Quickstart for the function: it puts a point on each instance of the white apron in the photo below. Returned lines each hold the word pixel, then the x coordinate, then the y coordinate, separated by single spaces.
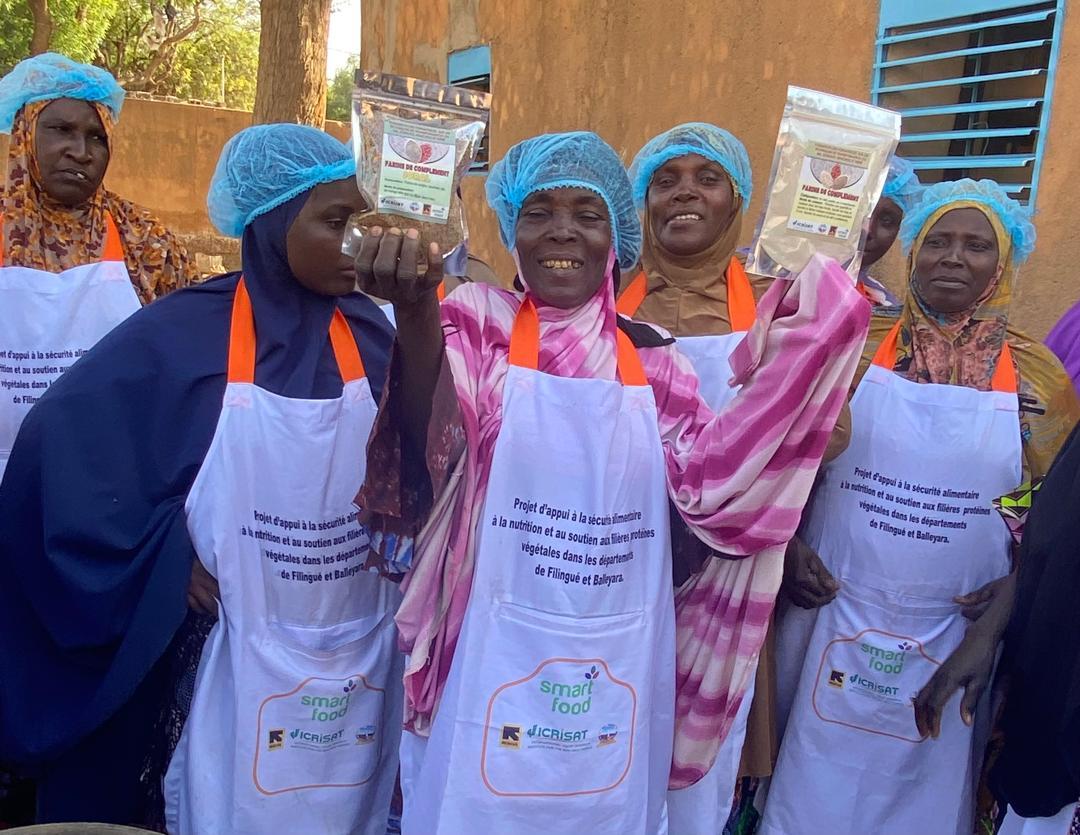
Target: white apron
pixel 703 808
pixel 1060 824
pixel 295 721
pixel 558 712
pixel 903 519
pixel 49 320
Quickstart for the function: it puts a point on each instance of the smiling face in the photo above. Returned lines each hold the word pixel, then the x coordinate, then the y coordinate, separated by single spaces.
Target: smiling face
pixel 690 204
pixel 72 151
pixel 957 260
pixel 313 243
pixel 563 240
pixel 884 227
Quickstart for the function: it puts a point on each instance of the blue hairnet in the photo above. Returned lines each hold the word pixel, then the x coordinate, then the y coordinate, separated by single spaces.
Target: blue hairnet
pixel 902 184
pixel 1015 217
pixel 264 166
pixel 699 138
pixel 52 76
pixel 566 160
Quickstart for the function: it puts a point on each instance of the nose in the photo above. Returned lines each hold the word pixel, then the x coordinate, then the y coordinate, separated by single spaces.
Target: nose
pixel 79 148
pixel 685 190
pixel 562 227
pixel 953 255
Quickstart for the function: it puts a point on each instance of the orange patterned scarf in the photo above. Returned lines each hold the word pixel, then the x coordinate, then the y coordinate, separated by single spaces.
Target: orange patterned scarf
pixel 42 234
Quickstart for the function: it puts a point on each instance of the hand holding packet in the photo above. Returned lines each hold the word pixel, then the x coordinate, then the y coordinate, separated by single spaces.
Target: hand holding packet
pixel 414 140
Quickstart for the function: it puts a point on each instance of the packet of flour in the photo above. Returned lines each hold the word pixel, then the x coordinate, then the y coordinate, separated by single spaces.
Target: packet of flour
pixel 413 141
pixel 831 161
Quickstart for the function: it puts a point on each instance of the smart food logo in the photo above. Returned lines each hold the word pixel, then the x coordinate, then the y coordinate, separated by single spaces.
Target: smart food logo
pixel 572 699
pixel 887 661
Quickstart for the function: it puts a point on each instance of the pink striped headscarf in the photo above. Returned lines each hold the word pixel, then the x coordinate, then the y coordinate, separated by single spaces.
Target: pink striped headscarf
pixel 739 478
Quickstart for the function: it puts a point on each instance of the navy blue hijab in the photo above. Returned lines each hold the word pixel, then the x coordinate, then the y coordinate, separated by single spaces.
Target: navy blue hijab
pixel 94 550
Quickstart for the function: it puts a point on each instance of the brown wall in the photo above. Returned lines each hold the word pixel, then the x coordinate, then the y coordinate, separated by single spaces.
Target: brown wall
pixel 629 69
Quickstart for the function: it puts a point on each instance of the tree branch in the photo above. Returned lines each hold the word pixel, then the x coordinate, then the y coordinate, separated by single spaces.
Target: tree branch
pixel 43 26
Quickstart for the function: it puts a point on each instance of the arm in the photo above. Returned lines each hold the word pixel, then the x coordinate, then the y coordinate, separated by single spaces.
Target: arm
pixel 740 478
pixel 386 266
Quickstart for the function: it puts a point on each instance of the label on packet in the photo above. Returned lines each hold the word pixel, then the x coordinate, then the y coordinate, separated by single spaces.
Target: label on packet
pixel 831 182
pixel 417 174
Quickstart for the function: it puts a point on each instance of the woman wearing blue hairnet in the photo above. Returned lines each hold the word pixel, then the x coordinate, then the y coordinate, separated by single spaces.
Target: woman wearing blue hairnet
pixel 693 184
pixel 901 193
pixel 271 376
pixel 952 410
pixel 542 689
pixel 75 259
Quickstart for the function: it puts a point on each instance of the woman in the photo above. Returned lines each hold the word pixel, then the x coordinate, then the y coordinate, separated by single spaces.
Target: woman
pixel 953 409
pixel 901 193
pixel 56 217
pixel 1036 772
pixel 220 428
pixel 693 184
pixel 539 606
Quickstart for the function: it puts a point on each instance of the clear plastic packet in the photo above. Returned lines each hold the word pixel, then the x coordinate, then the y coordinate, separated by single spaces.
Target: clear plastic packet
pixel 414 140
pixel 831 161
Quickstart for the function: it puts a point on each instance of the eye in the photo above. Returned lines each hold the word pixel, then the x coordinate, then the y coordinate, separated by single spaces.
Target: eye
pixel 592 217
pixel 979 246
pixel 934 243
pixel 535 213
pixel 709 179
pixel 335 222
pixel 664 181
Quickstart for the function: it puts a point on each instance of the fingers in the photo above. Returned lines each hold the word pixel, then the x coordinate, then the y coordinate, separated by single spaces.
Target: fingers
pixel 974 604
pixel 387 265
pixel 434 275
pixel 972 693
pixel 365 260
pixel 387 270
pixel 928 705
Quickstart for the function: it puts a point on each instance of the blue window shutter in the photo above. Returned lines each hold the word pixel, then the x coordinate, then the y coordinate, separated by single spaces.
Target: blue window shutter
pixel 974 81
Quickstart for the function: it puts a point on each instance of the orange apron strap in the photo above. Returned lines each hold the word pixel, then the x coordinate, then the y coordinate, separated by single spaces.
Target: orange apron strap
pixel 886 352
pixel 629 363
pixel 632 297
pixel 242 342
pixel 740 297
pixel 114 247
pixel 861 287
pixel 346 351
pixel 440 291
pixel 1004 378
pixel 1 240
pixel 525 337
pixel 242 338
pixel 525 347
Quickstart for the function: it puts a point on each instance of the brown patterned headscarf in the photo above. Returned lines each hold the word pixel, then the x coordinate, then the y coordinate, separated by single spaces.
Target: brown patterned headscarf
pixel 40 233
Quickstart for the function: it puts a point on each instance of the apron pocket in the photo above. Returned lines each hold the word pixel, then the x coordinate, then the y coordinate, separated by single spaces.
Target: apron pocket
pixel 564 718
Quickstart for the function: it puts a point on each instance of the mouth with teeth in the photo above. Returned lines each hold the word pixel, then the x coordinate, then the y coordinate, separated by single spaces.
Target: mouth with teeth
pixel 561 264
pixel 76 174
pixel 686 217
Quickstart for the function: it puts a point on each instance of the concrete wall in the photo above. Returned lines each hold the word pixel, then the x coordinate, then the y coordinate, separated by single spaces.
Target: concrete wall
pixel 631 68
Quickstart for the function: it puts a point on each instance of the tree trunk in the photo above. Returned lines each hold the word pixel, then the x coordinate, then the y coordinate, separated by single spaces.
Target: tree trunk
pixel 43 26
pixel 291 85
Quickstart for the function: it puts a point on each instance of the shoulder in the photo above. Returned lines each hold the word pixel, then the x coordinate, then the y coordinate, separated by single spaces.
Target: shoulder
pixel 1033 355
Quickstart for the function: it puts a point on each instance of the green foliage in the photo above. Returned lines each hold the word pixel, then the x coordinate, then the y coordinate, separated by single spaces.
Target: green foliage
pixel 78 27
pixel 339 92
pixel 180 53
pixel 146 52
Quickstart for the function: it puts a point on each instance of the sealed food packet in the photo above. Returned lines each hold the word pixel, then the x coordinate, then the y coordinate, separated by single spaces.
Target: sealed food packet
pixel 414 140
pixel 831 161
